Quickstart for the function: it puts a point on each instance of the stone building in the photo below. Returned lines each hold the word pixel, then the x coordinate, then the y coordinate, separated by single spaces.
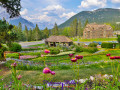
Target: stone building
pixel 58 40
pixel 97 31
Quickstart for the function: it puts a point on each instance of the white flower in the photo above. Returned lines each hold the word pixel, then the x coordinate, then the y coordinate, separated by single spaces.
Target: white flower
pixel 91 78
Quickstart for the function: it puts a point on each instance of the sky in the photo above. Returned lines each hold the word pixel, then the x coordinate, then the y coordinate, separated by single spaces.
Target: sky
pixel 60 10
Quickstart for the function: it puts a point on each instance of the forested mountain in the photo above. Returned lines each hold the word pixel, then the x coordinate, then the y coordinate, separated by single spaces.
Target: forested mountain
pixel 103 15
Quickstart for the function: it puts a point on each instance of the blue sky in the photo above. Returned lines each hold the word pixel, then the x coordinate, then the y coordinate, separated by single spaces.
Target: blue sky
pixel 60 10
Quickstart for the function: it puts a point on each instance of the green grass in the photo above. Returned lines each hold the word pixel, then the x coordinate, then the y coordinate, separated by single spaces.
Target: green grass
pixel 43 44
pixel 36 77
pixel 97 39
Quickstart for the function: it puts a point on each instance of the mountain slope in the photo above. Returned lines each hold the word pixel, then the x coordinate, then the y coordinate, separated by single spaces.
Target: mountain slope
pixel 23 21
pixel 104 15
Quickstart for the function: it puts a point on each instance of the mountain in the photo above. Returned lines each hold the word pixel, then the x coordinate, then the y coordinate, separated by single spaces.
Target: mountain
pixel 43 25
pixel 15 21
pixel 23 21
pixel 102 15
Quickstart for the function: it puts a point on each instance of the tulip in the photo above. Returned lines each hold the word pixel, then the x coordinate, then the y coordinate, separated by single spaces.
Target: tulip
pixel 79 57
pixel 108 55
pixel 19 77
pixel 52 73
pixel 71 55
pixel 13 64
pixel 74 59
pixel 47 51
pixel 46 70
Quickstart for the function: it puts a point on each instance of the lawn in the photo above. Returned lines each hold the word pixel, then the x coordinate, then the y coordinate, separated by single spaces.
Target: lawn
pixel 97 39
pixel 36 77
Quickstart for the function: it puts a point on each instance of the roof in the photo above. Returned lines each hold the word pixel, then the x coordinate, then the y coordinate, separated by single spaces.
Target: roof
pixel 58 39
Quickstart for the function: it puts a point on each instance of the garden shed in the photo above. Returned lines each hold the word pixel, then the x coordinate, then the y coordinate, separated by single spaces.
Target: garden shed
pixel 58 40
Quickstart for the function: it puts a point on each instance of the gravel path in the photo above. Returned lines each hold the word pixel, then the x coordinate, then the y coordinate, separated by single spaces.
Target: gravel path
pixel 26 44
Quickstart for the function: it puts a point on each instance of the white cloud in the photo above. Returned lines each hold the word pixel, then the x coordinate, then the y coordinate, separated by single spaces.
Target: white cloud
pixel 67 15
pixel 93 3
pixel 115 1
pixel 53 7
pixel 24 12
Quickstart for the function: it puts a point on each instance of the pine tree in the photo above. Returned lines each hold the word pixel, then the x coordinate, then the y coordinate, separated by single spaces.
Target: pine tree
pixel 80 30
pixel 26 33
pixel 30 35
pixel 46 32
pixel 55 30
pixel 86 22
pixel 37 33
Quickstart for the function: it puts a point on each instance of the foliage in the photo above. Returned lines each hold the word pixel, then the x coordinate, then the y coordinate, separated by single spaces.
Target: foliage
pixel 78 49
pixel 92 45
pixel 2 49
pixel 90 49
pixel 15 47
pixel 108 45
pixel 13 7
pixel 12 55
pixel 54 50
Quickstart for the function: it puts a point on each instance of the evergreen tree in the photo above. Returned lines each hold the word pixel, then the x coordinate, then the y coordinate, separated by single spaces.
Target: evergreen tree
pixel 46 32
pixel 86 22
pixel 55 30
pixel 30 35
pixel 80 30
pixel 26 33
pixel 37 33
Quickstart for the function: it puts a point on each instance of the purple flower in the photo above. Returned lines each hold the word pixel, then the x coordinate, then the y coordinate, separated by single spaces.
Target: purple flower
pixel 13 64
pixel 47 51
pixel 52 72
pixel 74 59
pixel 79 57
pixel 71 55
pixel 46 70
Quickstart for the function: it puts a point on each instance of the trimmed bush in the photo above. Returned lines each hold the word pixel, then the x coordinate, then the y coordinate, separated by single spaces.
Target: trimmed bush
pixel 15 47
pixel 92 45
pixel 90 49
pixel 108 45
pixel 54 50
pixel 78 49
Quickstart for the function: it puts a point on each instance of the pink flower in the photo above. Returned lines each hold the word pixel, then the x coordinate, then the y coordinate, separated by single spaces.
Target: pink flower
pixel 47 51
pixel 52 72
pixel 71 55
pixel 79 57
pixel 108 55
pixel 117 57
pixel 74 59
pixel 46 70
pixel 19 77
pixel 112 57
pixel 42 55
pixel 13 64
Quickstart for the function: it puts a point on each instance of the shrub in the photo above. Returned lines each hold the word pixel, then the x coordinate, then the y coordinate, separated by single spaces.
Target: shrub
pixel 90 49
pixel 92 45
pixel 3 48
pixel 108 45
pixel 54 50
pixel 78 49
pixel 12 55
pixel 15 47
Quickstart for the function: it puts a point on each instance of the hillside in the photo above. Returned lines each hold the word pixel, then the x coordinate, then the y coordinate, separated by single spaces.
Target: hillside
pixel 103 15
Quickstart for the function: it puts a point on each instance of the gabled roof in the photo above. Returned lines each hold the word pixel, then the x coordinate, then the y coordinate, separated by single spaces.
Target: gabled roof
pixel 58 39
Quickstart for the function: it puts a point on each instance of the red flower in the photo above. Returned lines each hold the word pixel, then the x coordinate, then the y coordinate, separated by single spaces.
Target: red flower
pixel 112 57
pixel 52 72
pixel 71 55
pixel 79 57
pixel 74 59
pixel 19 77
pixel 13 64
pixel 108 55
pixel 47 51
pixel 46 70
